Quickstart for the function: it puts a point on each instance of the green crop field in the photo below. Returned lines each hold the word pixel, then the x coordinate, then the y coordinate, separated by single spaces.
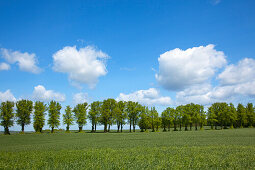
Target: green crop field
pixel 208 149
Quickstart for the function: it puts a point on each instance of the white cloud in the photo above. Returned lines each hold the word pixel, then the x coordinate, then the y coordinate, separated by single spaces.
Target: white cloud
pixel 243 72
pixel 41 94
pixel 180 69
pixel 147 97
pixel 84 65
pixel 26 62
pixel 206 94
pixel 7 96
pixel 80 98
pixel 4 66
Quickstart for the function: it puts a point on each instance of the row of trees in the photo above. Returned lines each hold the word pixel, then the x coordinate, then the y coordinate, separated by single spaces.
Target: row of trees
pixel 110 112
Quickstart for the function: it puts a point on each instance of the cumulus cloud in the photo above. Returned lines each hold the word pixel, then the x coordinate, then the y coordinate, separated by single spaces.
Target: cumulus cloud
pixel 146 97
pixel 243 72
pixel 206 94
pixel 84 65
pixel 7 96
pixel 80 98
pixel 4 66
pixel 179 69
pixel 41 94
pixel 26 62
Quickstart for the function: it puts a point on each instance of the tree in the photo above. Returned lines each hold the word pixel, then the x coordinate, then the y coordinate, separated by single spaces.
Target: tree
pixel 197 109
pixel 122 116
pixel 6 116
pixel 68 118
pixel 112 104
pixel 153 117
pixel 164 118
pixel 241 115
pixel 144 119
pixel 80 113
pixel 232 115
pixel 250 114
pixel 39 116
pixel 175 117
pixel 213 111
pixel 130 109
pixel 167 118
pixel 223 114
pixel 135 114
pixel 105 114
pixel 54 115
pixel 180 112
pixel 202 117
pixel 186 118
pixel 94 114
pixel 158 122
pixel 24 110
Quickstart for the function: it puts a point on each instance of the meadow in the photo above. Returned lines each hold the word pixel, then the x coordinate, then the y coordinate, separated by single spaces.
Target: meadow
pixel 207 149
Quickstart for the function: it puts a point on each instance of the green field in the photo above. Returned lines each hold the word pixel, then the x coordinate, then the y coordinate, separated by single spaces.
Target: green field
pixel 208 149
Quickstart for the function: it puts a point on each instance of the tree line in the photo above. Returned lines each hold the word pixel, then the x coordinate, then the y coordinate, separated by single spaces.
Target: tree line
pixel 111 112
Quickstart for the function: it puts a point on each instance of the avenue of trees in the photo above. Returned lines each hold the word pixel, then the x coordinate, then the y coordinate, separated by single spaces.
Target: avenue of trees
pixel 111 112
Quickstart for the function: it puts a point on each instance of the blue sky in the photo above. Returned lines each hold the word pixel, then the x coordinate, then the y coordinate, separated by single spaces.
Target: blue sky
pixel 160 53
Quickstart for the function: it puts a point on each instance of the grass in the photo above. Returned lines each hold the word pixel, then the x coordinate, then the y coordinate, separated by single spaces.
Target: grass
pixel 208 149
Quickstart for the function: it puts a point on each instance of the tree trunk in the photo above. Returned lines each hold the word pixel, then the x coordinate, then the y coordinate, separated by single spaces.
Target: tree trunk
pixel 6 130
pixel 109 126
pixel 105 128
pixel 190 126
pixel 22 128
pixel 67 128
pixel 121 126
pixel 186 127
pixel 153 130
pixel 180 127
pixel 118 127
pixel 196 126
pixel 164 130
pixel 92 130
pixel 175 128
pixel 133 125
pixel 169 127
pixel 80 128
pixel 130 122
pixel 40 130
pixel 95 127
pixel 52 129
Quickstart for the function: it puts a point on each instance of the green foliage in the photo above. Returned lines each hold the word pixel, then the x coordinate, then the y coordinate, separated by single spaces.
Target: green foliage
pixel 107 113
pixel 232 115
pixel 54 115
pixel 241 115
pixel 94 114
pixel 144 122
pixel 120 115
pixel 39 116
pixel 6 115
pixel 80 113
pixel 24 110
pixel 250 114
pixel 153 118
pixel 68 118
